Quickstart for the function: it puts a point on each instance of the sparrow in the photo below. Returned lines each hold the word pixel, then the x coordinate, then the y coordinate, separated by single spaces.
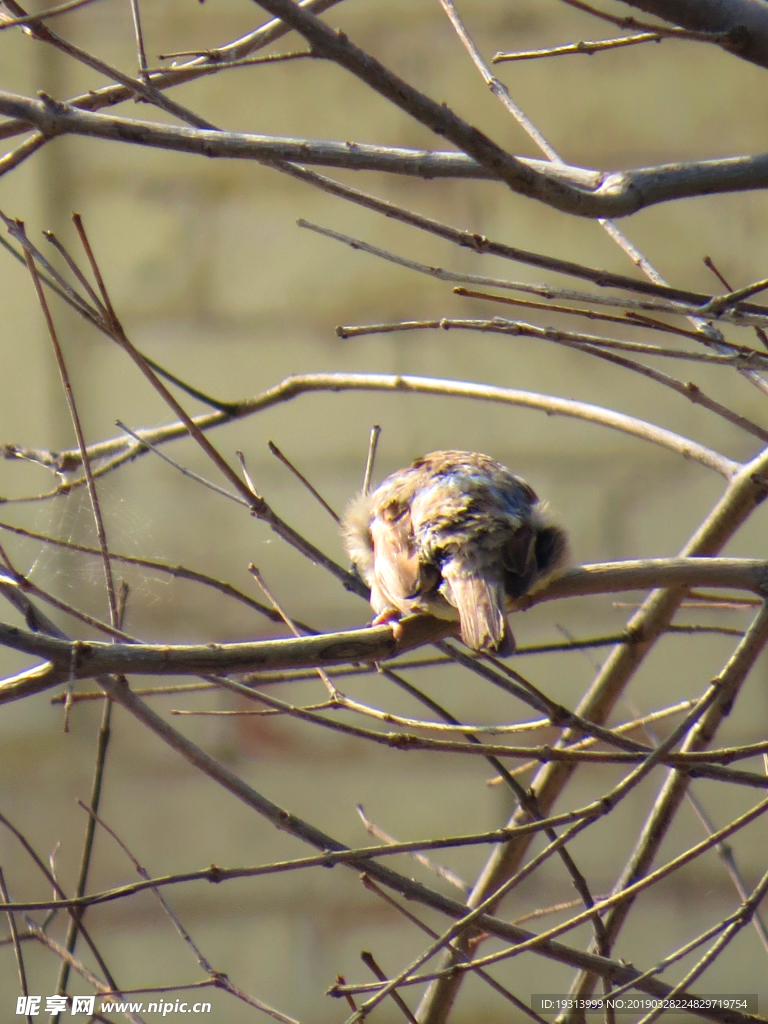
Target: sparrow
pixel 456 535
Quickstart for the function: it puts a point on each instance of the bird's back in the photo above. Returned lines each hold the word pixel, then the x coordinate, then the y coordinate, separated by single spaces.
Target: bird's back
pixel 456 533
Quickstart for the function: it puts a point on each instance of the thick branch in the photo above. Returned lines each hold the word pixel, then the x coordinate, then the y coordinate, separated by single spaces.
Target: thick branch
pixel 744 23
pixel 576 190
pixel 85 659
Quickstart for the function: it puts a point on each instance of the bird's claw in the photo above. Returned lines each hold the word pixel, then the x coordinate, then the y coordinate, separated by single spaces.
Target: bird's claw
pixel 390 616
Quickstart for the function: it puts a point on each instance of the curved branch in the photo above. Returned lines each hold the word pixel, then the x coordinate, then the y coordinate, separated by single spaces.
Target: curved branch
pixel 307 383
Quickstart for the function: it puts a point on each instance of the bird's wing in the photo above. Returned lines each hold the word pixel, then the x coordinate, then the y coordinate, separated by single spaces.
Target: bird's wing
pixel 396 561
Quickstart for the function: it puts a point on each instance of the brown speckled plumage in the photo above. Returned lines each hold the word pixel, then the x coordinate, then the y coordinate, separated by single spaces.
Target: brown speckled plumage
pixel 455 534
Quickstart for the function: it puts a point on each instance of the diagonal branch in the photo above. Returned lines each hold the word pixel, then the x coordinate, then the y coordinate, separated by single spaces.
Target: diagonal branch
pixel 284 820
pixel 110 95
pixel 678 780
pixel 745 491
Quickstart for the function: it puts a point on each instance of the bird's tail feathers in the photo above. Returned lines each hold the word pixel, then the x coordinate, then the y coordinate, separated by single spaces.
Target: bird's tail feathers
pixel 480 604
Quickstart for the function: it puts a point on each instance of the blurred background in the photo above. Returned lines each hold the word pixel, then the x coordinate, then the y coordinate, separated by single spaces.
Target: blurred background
pixel 213 278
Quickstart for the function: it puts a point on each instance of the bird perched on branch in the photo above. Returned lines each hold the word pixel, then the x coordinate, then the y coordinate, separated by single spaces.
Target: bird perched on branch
pixel 455 535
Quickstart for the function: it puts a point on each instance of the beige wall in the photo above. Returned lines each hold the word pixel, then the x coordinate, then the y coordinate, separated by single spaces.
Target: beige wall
pixel 213 278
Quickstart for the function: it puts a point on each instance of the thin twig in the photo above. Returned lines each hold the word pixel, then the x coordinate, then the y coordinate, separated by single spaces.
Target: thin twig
pixel 585 46
pixel 51 12
pixel 16 945
pixel 300 476
pixel 371 886
pixel 177 571
pixel 373 443
pixel 672 307
pixel 709 262
pixel 371 964
pixel 182 469
pixel 631 23
pixel 101 533
pixel 438 869
pixel 59 894
pixel 140 52
pixel 570 339
pixel 632 318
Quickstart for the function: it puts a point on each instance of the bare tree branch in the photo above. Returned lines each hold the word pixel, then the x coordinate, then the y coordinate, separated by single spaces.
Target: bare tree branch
pixel 574 190
pixel 532 741
pixel 743 23
pixel 82 659
pixel 124 448
pixel 744 493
